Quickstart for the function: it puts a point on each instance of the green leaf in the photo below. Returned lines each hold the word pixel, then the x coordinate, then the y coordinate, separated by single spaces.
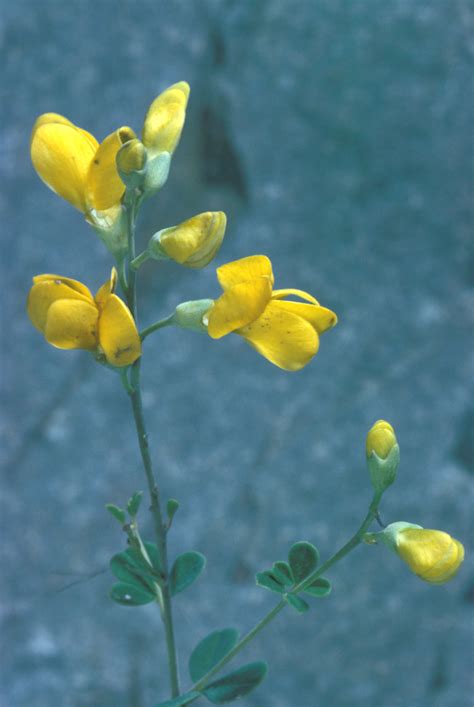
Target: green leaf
pixel 181 700
pixel 118 513
pixel 131 568
pixel 303 558
pixel 282 572
pixel 186 569
pixel 210 651
pixel 321 587
pixel 297 603
pixel 134 503
pixel 236 684
pixel 130 595
pixel 268 581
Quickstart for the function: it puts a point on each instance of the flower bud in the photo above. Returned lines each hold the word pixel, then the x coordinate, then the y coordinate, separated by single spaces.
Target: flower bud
pixel 193 243
pixel 383 455
pixel 191 315
pixel 165 119
pixel 131 160
pixel 432 555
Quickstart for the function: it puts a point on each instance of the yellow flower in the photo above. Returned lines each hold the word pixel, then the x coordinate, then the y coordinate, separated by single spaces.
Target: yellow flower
pixel 69 317
pixel 73 164
pixel 284 332
pixel 381 439
pixel 433 555
pixel 193 243
pixel 165 119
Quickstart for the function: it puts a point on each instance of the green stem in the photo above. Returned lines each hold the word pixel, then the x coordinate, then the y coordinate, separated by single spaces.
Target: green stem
pixel 167 321
pixel 134 392
pixel 345 549
pixel 142 258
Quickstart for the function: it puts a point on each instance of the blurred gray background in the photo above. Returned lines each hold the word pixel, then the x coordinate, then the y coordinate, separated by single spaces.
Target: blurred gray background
pixel 337 137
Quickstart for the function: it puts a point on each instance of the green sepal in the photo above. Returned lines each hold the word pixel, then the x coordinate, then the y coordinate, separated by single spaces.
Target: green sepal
pixel 118 513
pixel 130 594
pixel 186 569
pixel 210 651
pixel 303 558
pixel 181 700
pixel 237 684
pixel 282 572
pixel 268 581
pixel 134 503
pixel 297 603
pixel 321 587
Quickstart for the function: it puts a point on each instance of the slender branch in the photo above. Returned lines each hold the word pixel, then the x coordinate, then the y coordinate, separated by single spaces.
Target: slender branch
pixel 344 550
pixel 134 391
pixel 139 260
pixel 167 321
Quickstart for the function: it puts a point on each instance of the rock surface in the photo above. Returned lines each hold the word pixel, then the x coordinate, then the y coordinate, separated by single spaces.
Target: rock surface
pixel 337 136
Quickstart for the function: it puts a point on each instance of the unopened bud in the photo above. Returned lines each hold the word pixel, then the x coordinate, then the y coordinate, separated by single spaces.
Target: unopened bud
pixel 192 315
pixel 383 455
pixel 131 161
pixel 193 243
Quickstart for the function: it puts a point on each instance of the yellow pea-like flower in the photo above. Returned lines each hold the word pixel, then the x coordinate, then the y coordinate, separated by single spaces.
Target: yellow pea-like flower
pixel 193 243
pixel 283 331
pixel 165 118
pixel 69 317
pixel 72 163
pixel 433 555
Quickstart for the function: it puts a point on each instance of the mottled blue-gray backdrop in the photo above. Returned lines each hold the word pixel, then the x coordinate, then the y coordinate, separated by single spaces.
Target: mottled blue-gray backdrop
pixel 337 136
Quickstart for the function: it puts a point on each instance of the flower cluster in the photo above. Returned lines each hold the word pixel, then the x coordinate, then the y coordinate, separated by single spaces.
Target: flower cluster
pixel 102 181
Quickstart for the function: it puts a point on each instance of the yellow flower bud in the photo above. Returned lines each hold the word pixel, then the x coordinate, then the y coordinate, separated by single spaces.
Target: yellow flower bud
pixel 131 157
pixel 380 439
pixel 383 455
pixel 193 243
pixel 165 119
pixel 432 555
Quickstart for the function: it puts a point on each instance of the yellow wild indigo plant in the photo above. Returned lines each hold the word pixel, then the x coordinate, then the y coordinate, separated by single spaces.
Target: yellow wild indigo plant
pixel 107 182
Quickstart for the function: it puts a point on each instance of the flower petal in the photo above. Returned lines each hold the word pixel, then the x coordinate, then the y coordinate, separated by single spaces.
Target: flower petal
pixel 61 154
pixel 244 270
pixel 280 294
pixel 72 324
pixel 282 337
pixel 431 554
pixel 320 318
pixel 165 118
pixel 238 306
pixel 118 335
pixel 108 288
pixel 48 289
pixel 104 187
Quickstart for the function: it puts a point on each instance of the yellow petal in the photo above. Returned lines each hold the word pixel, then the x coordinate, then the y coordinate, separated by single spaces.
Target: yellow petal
pixel 238 306
pixel 72 324
pixel 61 154
pixel 104 187
pixel 56 118
pixel 104 292
pixel 431 554
pixel 195 242
pixel 280 294
pixel 320 318
pixel 118 335
pixel 49 289
pixel 165 118
pixel 244 270
pixel 282 337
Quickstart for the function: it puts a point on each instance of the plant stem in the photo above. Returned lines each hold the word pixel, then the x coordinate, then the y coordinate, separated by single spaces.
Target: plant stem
pixel 344 550
pixel 136 399
pixel 167 321
pixel 142 258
